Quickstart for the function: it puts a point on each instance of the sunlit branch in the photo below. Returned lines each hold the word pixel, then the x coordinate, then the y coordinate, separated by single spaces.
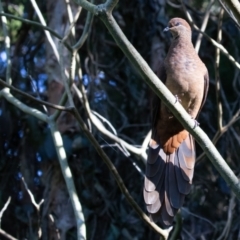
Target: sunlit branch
pixel 2 232
pixel 72 20
pixel 28 96
pixel 166 96
pixel 217 75
pixel 49 37
pixel 23 107
pixel 85 33
pixel 7 235
pixel 68 177
pixel 216 44
pixel 117 177
pixel 204 25
pixel 234 7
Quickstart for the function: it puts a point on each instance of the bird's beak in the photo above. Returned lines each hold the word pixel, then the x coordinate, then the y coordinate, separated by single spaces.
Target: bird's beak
pixel 166 29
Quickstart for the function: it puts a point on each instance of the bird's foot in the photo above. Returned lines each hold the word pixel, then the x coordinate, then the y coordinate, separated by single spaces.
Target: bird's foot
pixel 196 123
pixel 177 99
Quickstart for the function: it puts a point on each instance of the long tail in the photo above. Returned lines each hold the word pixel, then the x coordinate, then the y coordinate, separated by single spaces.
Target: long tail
pixel 168 180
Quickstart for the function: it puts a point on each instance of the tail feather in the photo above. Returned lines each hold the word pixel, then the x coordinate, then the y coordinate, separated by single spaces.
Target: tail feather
pixel 182 182
pixel 168 180
pixel 175 196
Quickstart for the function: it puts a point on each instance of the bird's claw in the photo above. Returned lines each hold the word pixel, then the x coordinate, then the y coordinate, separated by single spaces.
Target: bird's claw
pixel 196 123
pixel 177 99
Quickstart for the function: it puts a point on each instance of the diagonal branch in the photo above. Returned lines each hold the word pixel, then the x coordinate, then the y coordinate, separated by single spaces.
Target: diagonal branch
pixel 234 7
pixel 117 177
pixel 214 43
pixel 51 105
pixel 68 177
pixel 165 95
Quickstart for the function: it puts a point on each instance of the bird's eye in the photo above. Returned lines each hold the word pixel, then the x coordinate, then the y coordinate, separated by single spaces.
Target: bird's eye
pixel 177 24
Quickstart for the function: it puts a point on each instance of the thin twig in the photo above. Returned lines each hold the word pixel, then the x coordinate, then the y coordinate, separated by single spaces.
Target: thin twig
pixel 145 145
pixel 72 20
pixel 49 37
pixel 85 33
pixel 204 25
pixel 23 107
pixel 105 121
pixel 217 45
pixel 2 232
pixel 226 229
pixel 233 9
pixel 117 177
pixel 36 205
pixel 37 24
pixel 58 107
pixel 217 75
pixel 224 129
pixel 6 235
pixel 102 129
pixel 4 208
pixel 197 216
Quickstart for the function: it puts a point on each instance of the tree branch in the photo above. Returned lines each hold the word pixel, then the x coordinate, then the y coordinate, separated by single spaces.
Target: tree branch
pixel 118 178
pixel 67 174
pixel 37 24
pixel 23 107
pixel 58 107
pixel 166 96
pixel 234 6
pixel 214 43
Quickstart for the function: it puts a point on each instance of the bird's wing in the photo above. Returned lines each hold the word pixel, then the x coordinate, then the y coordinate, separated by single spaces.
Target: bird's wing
pixel 206 85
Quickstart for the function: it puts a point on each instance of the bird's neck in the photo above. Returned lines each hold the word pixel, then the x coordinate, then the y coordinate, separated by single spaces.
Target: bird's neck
pixel 181 42
pixel 183 38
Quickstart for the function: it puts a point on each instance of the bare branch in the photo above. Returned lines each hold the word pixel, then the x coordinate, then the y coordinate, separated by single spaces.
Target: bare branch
pixel 32 111
pixel 37 206
pixel 204 25
pixel 58 107
pixel 118 178
pixel 6 235
pixel 86 30
pixel 5 207
pixel 217 75
pixel 49 37
pixel 67 174
pixel 72 20
pixel 37 25
pixel 88 6
pixel 216 44
pixel 234 7
pixel 165 95
pixel 2 232
pixel 226 229
pixel 103 130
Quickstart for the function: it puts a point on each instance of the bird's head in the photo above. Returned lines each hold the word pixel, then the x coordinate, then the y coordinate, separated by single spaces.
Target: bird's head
pixel 178 27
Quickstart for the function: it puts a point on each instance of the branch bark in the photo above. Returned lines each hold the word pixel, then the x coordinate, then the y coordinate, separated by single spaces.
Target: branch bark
pixel 234 6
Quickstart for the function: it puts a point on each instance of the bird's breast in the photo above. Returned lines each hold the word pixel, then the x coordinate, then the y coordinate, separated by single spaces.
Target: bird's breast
pixel 184 81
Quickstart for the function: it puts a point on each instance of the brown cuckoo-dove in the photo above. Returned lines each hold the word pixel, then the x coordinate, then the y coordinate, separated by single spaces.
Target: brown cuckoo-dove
pixel 171 156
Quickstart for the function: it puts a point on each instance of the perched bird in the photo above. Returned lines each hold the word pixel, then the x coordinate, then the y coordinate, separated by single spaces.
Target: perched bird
pixel 171 157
